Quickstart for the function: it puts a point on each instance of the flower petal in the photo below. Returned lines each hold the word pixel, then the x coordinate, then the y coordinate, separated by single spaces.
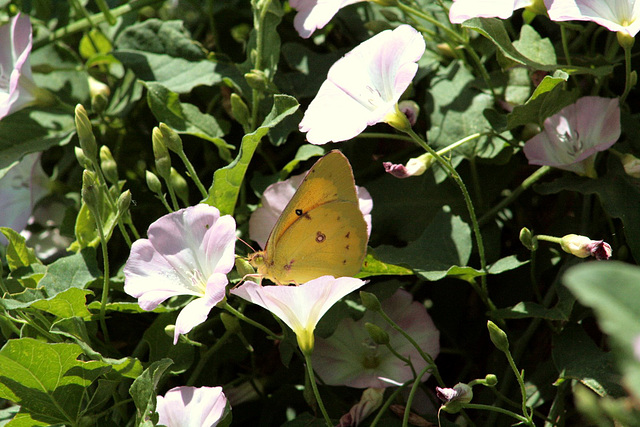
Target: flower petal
pixel 192 407
pixel 461 10
pixel 315 14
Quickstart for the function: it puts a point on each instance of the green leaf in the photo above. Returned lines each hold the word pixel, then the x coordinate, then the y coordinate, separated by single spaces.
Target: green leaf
pixel 612 290
pixel 47 380
pixel 534 47
pixel 143 391
pixel 18 254
pixel 93 40
pixel 577 357
pixel 185 118
pixel 74 271
pixel 457 112
pixel 504 264
pixel 528 309
pixel 372 266
pixel 227 181
pixel 127 307
pixel 69 303
pixel 29 131
pixel 445 244
pixel 549 83
pixel 86 230
pixel 538 108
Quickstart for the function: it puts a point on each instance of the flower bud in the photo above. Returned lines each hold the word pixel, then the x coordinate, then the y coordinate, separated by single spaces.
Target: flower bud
pixel 239 109
pixel 377 334
pixel 498 337
pixel 410 109
pixel 582 247
pixel 85 133
pixel 90 192
pixel 153 182
pixel 528 240
pixel 370 301
pixel 179 185
pixel 99 94
pixel 171 138
pixel 490 380
pixel 414 167
pixel 161 154
pixel 454 398
pixel 108 165
pixel 631 165
pixel 83 160
pixel 243 267
pixel 124 201
pixel 170 330
pixel 256 79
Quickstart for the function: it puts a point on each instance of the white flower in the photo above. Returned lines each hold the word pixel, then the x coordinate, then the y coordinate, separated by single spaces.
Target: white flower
pixel 461 10
pixel 315 14
pixel 616 15
pixel 192 407
pixel 188 252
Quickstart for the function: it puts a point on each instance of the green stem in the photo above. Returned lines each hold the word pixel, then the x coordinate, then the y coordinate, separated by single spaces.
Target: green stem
pixel 412 393
pixel 105 281
pixel 472 213
pixel 83 24
pixel 172 194
pixel 256 95
pixel 205 357
pixel 430 362
pixel 565 44
pixel 552 239
pixel 498 409
pixel 193 174
pixel 532 179
pixel 627 73
pixel 314 386
pixel 420 14
pixel 387 403
pixel 244 318
pixel 523 390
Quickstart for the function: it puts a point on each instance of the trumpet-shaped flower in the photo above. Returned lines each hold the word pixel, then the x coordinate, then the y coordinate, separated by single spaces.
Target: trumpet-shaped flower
pixel 275 199
pixel 188 252
pixel 350 357
pixel 571 138
pixel 192 407
pixel 461 10
pixel 364 86
pixel 300 307
pixel 21 186
pixel 17 89
pixel 616 15
pixel 315 14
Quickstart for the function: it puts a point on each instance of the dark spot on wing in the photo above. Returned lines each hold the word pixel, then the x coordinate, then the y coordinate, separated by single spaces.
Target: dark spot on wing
pixel 347 247
pixel 307 216
pixel 320 237
pixel 299 212
pixel 347 235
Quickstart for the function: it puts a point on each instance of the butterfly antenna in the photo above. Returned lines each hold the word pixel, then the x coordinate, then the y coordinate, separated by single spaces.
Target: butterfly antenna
pixel 248 245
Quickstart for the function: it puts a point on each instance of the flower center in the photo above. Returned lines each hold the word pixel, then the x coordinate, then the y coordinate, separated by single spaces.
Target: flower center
pixel 371 358
pixel 198 281
pixel 573 144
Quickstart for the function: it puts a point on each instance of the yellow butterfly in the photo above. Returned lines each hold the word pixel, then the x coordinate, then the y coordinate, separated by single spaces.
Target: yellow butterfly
pixel 321 230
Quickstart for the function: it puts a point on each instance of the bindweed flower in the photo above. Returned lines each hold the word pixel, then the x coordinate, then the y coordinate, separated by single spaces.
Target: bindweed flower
pixel 275 198
pixel 615 15
pixel 454 398
pixel 582 247
pixel 411 109
pixel 364 86
pixel 350 357
pixel 22 185
pixel 300 307
pixel 17 89
pixel 572 137
pixel 414 167
pixel 370 401
pixel 192 407
pixel 315 14
pixel 188 252
pixel 461 10
pixel 631 165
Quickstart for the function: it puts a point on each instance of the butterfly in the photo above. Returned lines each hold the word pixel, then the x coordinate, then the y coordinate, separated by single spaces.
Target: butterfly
pixel 321 230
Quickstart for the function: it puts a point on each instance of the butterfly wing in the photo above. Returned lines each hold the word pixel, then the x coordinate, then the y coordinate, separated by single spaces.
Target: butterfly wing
pixel 330 239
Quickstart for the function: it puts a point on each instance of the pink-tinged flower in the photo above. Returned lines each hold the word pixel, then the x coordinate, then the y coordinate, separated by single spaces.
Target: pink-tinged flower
pixel 315 14
pixel 192 407
pixel 275 199
pixel 582 247
pixel 350 357
pixel 454 398
pixel 461 10
pixel 370 401
pixel 631 165
pixel 17 89
pixel 364 86
pixel 300 307
pixel 414 167
pixel 571 138
pixel 188 252
pixel 411 109
pixel 615 15
pixel 22 185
